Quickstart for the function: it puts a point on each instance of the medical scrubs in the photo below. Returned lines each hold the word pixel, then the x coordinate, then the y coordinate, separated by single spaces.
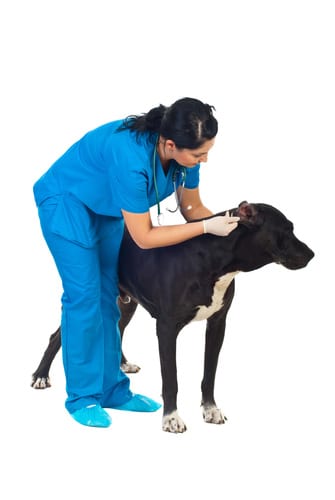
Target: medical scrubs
pixel 79 201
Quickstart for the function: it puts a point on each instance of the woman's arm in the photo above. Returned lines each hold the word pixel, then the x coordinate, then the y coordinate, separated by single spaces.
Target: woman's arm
pixel 191 206
pixel 147 236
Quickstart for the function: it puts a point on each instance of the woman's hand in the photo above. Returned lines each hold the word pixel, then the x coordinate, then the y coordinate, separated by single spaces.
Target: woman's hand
pixel 221 225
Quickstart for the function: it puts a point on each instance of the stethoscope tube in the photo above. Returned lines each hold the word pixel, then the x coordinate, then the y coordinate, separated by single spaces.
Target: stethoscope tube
pixel 177 170
pixel 182 170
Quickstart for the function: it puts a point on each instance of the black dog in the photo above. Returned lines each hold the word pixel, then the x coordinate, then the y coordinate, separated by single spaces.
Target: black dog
pixel 195 281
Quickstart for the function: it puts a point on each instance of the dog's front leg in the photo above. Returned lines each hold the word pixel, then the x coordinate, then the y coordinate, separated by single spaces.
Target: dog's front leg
pixel 167 339
pixel 215 331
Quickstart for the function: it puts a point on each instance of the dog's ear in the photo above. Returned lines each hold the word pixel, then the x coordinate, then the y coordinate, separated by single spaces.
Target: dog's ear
pixel 246 210
pixel 248 214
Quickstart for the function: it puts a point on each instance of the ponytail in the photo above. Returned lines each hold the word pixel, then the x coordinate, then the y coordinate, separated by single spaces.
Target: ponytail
pixel 188 122
pixel 149 122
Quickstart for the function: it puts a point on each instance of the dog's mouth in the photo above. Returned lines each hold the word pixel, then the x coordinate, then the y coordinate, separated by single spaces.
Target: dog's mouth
pixel 296 262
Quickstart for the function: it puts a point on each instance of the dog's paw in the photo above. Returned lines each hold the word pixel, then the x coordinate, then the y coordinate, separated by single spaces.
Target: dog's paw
pixel 173 423
pixel 40 382
pixel 129 368
pixel 213 415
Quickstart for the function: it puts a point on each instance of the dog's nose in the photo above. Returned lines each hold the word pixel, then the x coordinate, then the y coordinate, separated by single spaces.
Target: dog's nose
pixel 311 255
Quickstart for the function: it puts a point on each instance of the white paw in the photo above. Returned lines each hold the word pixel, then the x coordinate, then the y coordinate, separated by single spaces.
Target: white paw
pixel 213 415
pixel 129 368
pixel 41 383
pixel 173 423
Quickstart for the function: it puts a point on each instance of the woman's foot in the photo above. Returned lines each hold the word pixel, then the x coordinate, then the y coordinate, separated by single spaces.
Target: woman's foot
pixel 139 403
pixel 92 416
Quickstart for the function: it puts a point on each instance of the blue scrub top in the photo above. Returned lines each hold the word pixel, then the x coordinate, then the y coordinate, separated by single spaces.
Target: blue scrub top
pixel 109 170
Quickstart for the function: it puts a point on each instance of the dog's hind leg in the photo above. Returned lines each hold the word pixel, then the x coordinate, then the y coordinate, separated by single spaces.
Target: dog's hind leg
pixel 127 306
pixel 40 378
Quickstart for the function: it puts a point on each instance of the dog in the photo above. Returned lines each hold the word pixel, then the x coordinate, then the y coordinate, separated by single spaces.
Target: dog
pixel 195 281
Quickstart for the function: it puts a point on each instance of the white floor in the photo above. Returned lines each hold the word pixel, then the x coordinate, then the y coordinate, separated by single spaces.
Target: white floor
pixel 274 383
pixel 268 69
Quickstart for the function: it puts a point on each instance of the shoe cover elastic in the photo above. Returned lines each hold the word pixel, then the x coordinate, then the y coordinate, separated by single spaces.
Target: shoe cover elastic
pixel 93 416
pixel 139 403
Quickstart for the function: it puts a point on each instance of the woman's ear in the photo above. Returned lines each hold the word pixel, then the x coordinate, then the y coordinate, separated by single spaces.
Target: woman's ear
pixel 170 145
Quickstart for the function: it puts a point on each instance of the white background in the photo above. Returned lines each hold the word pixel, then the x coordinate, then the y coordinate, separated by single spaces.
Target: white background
pixel 268 68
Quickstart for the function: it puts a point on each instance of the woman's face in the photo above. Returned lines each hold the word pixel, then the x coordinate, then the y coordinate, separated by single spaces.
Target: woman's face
pixel 191 157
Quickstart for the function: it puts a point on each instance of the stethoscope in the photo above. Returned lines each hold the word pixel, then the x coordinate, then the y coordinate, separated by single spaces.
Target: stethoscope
pixel 177 170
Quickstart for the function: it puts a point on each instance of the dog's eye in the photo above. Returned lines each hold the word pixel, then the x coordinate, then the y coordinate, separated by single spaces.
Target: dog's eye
pixel 283 241
pixel 284 237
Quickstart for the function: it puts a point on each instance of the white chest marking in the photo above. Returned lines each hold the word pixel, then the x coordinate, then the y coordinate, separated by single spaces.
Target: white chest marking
pixel 219 291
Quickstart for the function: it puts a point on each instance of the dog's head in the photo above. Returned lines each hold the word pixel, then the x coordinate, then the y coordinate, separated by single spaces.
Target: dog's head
pixel 272 235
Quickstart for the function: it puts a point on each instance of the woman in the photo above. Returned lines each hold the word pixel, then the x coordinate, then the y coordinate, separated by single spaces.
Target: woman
pixel 112 176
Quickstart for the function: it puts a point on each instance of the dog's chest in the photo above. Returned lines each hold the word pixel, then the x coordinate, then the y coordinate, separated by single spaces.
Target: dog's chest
pixel 219 290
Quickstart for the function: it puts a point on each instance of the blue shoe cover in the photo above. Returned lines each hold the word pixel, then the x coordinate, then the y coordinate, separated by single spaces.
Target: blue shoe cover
pixel 93 416
pixel 139 403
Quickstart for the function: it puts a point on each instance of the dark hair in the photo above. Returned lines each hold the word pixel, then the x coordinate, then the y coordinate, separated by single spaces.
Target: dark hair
pixel 188 123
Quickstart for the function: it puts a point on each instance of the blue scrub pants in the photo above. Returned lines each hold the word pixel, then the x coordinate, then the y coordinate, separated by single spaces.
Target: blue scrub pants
pixel 85 247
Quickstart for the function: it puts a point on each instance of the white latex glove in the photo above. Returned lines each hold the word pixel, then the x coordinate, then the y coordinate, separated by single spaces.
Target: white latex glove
pixel 221 225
